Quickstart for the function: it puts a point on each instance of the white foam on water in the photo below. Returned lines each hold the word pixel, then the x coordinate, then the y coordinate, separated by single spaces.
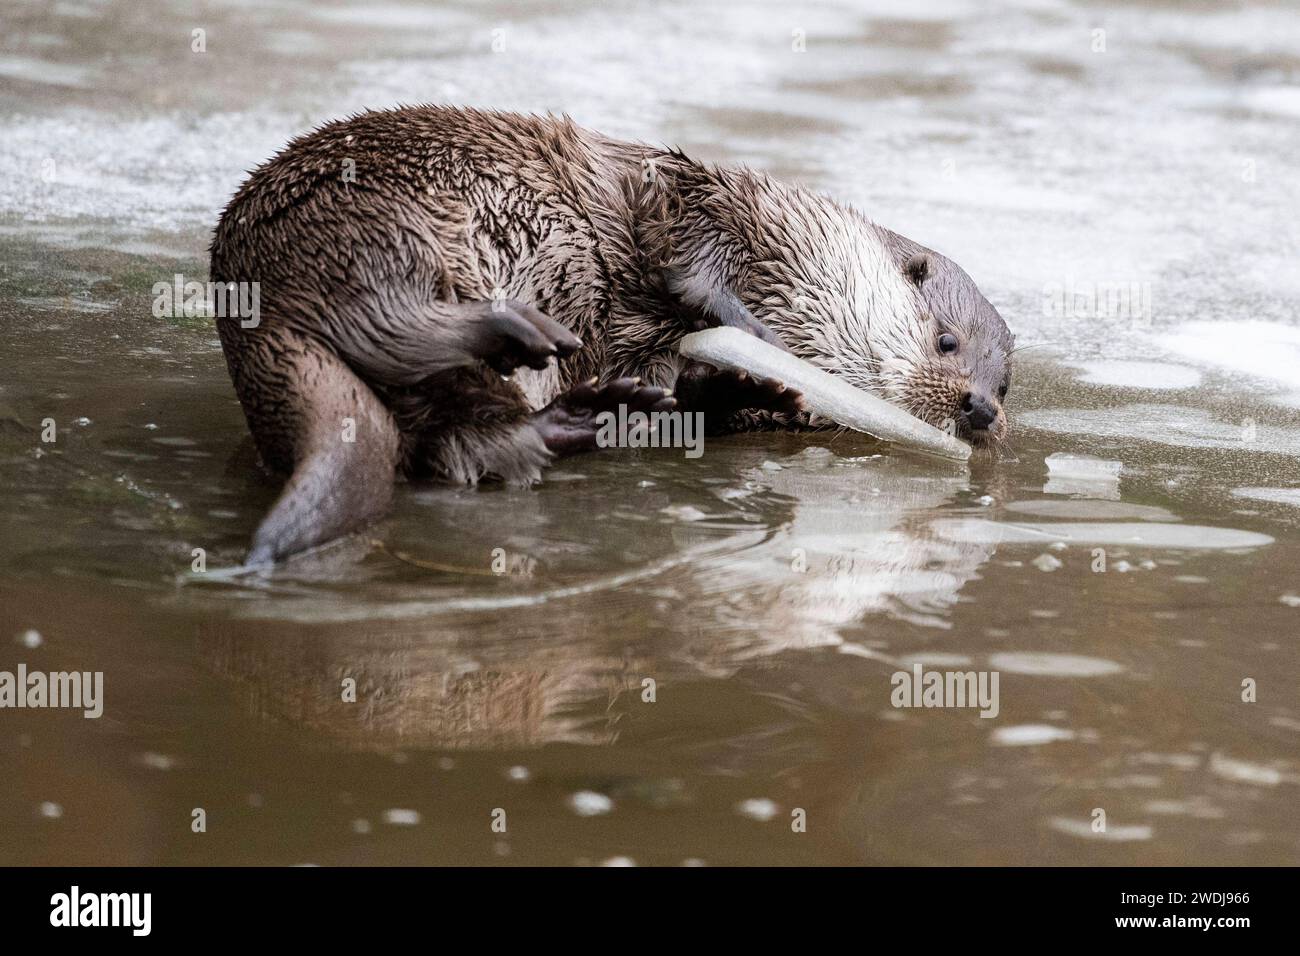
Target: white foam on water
pixel 1053 665
pixel 1150 375
pixel 1151 535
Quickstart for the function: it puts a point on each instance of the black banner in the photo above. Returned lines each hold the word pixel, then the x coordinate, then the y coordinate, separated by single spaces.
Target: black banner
pixel 332 905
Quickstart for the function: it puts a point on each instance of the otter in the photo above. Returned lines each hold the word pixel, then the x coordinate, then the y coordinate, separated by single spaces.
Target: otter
pixel 456 294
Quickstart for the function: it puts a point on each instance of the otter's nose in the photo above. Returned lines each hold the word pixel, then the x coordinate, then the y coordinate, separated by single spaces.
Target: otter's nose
pixel 978 411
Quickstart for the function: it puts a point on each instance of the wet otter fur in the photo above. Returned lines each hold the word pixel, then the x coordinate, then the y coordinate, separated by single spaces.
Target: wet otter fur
pixel 419 268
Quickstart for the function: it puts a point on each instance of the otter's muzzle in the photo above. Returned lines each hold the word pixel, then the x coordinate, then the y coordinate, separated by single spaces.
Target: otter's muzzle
pixel 978 411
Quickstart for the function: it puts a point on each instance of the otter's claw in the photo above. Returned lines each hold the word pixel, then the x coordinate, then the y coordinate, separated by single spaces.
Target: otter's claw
pixel 507 334
pixel 568 425
pixel 719 393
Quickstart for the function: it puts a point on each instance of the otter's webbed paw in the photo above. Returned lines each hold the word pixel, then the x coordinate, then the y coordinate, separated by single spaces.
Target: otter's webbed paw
pixel 507 334
pixel 720 393
pixel 568 425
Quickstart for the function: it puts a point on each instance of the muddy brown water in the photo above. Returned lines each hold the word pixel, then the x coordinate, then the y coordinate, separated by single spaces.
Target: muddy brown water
pixel 683 658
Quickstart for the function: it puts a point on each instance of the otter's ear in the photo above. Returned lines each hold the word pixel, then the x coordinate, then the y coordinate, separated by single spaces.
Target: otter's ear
pixel 917 268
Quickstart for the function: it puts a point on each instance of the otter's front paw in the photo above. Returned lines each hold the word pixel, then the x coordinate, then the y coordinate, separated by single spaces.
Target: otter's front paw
pixel 568 425
pixel 720 393
pixel 507 334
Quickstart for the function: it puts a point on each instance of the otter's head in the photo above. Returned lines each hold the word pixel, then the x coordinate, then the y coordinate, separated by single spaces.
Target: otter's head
pixel 960 376
pixel 867 304
pixel 894 317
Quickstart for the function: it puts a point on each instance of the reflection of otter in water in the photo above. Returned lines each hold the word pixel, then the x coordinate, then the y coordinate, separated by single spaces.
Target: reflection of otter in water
pixel 414 691
pixel 470 244
pixel 553 672
pixel 858 543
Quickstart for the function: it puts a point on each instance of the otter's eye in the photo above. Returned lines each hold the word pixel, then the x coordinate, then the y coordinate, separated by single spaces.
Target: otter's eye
pixel 947 343
pixel 1003 389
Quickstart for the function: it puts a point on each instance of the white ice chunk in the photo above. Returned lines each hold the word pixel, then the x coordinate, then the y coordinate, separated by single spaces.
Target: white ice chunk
pixel 1115 834
pixel 1150 375
pixel 1145 534
pixel 1029 735
pixel 1037 664
pixel 1281 496
pixel 1254 347
pixel 589 803
pixel 1061 465
pixel 823 393
pixel 1082 475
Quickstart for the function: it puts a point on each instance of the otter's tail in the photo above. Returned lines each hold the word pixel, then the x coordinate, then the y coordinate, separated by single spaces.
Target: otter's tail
pixel 313 418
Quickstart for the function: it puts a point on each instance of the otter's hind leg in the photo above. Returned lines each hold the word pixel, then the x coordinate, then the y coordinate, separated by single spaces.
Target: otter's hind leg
pixel 466 425
pixel 474 424
pixel 314 419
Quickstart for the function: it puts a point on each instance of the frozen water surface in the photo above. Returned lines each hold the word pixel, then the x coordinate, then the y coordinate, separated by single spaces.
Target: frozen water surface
pixel 1150 375
pixel 1131 212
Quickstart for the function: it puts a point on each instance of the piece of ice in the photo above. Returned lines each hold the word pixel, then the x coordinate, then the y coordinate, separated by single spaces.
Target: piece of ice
pixel 1146 534
pixel 823 393
pixel 1046 562
pixel 401 817
pixel 1092 509
pixel 757 808
pixel 1083 475
pixel 156 761
pixel 684 512
pixel 1029 735
pixel 1243 771
pixel 1038 664
pixel 588 803
pixel 1268 350
pixel 1150 375
pixel 1085 829
pixel 1061 465
pixel 1281 496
